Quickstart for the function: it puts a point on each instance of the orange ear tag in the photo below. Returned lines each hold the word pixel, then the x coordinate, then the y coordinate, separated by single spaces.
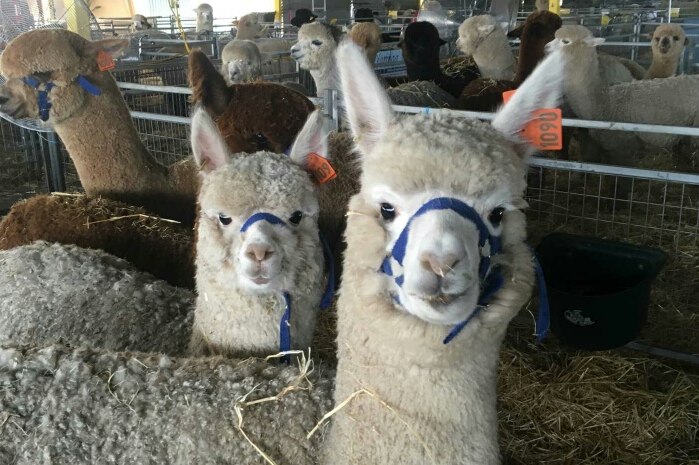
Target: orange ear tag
pixel 105 62
pixel 545 131
pixel 320 168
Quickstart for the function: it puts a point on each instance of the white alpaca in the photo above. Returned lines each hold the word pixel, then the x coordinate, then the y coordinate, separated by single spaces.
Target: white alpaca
pixel 249 27
pixel 205 18
pixel 241 62
pixel 435 252
pixel 259 256
pixel 482 38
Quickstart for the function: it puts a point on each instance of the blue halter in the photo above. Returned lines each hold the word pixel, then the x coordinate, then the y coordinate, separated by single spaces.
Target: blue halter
pixel 326 299
pixel 43 97
pixel 490 276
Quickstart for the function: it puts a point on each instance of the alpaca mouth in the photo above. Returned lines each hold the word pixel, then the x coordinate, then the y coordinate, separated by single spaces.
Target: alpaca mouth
pixel 260 280
pixel 441 298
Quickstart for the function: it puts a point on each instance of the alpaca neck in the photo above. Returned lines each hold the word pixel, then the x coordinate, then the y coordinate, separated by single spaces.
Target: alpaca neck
pixel 662 66
pixel 531 52
pixel 107 151
pixel 327 77
pixel 495 60
pixel 584 89
pixel 112 162
pixel 423 71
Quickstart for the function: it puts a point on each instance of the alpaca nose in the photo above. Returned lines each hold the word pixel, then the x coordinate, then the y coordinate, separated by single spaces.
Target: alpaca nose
pixel 259 252
pixel 439 264
pixel 3 100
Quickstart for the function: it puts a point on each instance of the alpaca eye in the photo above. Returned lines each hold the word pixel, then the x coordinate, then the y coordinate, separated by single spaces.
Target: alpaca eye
pixel 296 217
pixel 657 39
pixel 388 211
pixel 261 140
pixel 225 220
pixel 317 43
pixel 565 41
pixel 495 216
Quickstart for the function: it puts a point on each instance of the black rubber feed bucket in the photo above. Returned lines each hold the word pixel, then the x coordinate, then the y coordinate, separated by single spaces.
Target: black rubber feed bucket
pixel 598 289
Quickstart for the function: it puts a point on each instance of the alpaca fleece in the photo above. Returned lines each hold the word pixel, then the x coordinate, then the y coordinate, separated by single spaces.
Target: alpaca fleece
pixel 69 406
pixel 54 293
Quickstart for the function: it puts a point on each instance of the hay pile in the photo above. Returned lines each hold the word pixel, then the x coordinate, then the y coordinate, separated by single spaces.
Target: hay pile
pixel 420 94
pixel 456 66
pixel 582 408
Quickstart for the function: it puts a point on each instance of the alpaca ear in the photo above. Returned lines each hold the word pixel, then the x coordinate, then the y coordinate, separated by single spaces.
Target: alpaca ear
pixel 486 29
pixel 208 147
pixel 366 103
pixel 542 89
pixel 686 40
pixel 113 47
pixel 311 139
pixel 442 42
pixel 208 86
pixel 650 35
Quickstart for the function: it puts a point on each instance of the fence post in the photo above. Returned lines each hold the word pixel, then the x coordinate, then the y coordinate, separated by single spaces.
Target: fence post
pixel 53 165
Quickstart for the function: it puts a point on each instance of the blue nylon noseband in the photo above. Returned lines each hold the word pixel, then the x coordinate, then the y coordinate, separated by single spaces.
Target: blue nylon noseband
pixel 43 95
pixel 491 279
pixel 325 301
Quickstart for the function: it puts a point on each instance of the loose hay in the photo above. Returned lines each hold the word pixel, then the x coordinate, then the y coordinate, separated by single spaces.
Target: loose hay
pixel 604 408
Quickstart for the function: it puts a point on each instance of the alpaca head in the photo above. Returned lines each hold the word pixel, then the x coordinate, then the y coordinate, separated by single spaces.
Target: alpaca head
pixel 316 44
pixel 575 42
pixel 421 43
pixel 668 40
pixel 205 17
pixel 473 32
pixel 368 37
pixel 251 117
pixel 241 61
pixel 542 26
pixel 140 23
pixel 249 27
pixel 541 5
pixel 258 225
pixel 441 193
pixel 56 65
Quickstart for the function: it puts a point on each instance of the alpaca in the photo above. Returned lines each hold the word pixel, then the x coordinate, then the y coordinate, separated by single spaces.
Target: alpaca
pixel 139 23
pixel 259 256
pixel 482 38
pixel 77 95
pixel 55 293
pixel 205 18
pixel 403 395
pixel 420 46
pixel 669 101
pixel 485 94
pixel 667 42
pixel 315 51
pixel 249 27
pixel 241 62
pixel 368 36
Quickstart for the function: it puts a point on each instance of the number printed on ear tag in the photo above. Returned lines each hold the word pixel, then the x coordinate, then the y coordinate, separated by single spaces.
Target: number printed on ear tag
pixel 320 168
pixel 545 130
pixel 105 61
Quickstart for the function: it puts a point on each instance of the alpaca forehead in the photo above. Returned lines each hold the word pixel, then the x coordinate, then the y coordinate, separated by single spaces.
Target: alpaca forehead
pixel 49 49
pixel 311 31
pixel 466 157
pixel 259 181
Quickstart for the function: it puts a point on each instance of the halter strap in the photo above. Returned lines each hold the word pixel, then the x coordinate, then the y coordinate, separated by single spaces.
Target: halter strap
pixel 43 94
pixel 491 279
pixel 326 299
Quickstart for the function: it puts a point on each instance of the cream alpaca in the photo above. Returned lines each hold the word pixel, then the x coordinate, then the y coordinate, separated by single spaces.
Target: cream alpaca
pixel 97 130
pixel 241 62
pixel 422 401
pixel 667 42
pixel 482 38
pixel 258 248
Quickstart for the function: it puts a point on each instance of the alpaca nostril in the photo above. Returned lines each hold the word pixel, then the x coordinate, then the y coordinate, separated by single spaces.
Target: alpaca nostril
pixel 4 100
pixel 439 265
pixel 259 252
